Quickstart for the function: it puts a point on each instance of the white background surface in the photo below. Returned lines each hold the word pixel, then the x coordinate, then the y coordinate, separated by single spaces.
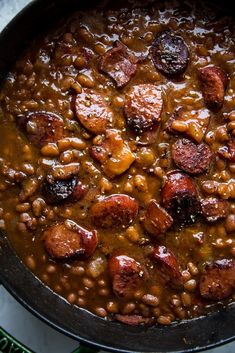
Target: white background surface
pixel 13 317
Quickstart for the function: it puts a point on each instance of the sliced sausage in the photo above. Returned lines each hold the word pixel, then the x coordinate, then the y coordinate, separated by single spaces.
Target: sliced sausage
pixel 58 191
pixel 68 240
pixel 180 198
pixel 169 53
pixel 156 220
pixel 113 153
pixel 213 84
pixel 78 193
pixel 143 107
pixel 92 111
pixel 193 124
pixel 42 127
pixel 218 280
pixel 114 210
pixel 126 275
pixel 119 63
pixel 214 209
pixel 191 157
pixel 133 320
pixel 167 265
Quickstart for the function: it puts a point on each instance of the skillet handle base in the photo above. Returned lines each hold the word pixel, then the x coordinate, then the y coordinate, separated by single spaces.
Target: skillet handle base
pixel 9 344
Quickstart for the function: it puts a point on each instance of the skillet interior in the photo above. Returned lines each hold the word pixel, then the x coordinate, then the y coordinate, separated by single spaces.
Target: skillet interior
pixel 191 335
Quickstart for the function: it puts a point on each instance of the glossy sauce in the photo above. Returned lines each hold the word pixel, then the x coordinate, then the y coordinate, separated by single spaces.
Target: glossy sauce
pixel 47 78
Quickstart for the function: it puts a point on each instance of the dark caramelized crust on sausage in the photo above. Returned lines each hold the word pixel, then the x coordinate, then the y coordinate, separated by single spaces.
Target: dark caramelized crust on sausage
pixel 156 220
pixel 167 265
pixel 143 107
pixel 119 63
pixel 64 242
pixel 58 191
pixel 114 210
pixel 126 274
pixel 79 192
pixel 218 280
pixel 170 53
pixel 41 127
pixel 191 157
pixel 214 209
pixel 213 84
pixel 180 198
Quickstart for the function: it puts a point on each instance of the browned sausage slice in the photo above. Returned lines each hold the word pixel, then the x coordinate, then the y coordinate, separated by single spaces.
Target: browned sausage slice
pixel 69 240
pixel 113 153
pixel 133 320
pixel 92 111
pixel 114 210
pixel 218 280
pixel 191 157
pixel 168 265
pixel 143 107
pixel 119 63
pixel 126 274
pixel 180 198
pixel 214 209
pixel 42 127
pixel 169 53
pixel 213 84
pixel 78 193
pixel 156 220
pixel 58 191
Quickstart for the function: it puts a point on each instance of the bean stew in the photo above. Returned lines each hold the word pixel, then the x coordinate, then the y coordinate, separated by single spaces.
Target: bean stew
pixel 117 160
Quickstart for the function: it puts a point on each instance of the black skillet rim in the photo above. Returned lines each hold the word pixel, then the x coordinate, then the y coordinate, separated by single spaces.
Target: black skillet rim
pixel 25 287
pixel 38 298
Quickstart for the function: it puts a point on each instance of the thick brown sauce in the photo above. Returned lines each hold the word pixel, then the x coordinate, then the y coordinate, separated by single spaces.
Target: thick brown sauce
pixel 46 79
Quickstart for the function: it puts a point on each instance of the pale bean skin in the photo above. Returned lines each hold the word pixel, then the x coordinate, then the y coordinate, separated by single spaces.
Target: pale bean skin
pixel 50 77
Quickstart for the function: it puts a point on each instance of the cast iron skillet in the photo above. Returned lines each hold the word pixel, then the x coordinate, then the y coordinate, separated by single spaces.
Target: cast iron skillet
pixel 187 336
